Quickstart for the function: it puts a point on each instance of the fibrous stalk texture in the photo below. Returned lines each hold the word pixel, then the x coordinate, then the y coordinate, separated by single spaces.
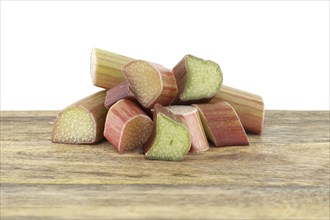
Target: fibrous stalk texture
pixel 106 68
pixel 190 117
pixel 249 107
pixel 118 92
pixel 221 124
pixel 127 127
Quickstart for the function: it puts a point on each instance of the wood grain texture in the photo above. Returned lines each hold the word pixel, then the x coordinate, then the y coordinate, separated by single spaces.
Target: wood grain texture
pixel 283 174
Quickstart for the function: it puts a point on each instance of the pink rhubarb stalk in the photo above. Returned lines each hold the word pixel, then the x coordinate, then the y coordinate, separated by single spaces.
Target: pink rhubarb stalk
pixel 127 127
pixel 118 92
pixel 222 125
pixel 249 107
pixel 150 83
pixel 190 117
pixel 81 122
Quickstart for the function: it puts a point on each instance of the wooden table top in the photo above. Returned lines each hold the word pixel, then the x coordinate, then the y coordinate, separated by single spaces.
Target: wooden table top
pixel 283 174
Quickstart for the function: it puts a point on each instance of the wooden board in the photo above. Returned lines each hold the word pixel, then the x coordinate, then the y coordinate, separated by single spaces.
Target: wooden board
pixel 283 174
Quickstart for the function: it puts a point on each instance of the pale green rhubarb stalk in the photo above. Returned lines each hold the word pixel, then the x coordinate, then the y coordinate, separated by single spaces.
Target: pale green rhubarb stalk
pixel 170 139
pixel 127 127
pixel 150 83
pixel 106 68
pixel 249 107
pixel 81 122
pixel 222 125
pixel 190 117
pixel 198 80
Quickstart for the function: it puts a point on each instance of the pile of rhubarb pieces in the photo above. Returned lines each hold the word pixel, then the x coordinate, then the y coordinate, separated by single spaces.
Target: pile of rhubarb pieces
pixel 167 113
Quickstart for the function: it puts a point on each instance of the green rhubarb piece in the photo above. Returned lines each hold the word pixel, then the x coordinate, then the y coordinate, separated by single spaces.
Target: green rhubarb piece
pixel 172 141
pixel 204 79
pixel 197 79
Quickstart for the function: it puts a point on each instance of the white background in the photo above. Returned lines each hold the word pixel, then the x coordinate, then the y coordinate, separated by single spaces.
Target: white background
pixel 277 49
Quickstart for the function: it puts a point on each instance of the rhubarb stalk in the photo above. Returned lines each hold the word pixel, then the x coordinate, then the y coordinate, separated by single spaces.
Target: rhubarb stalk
pixel 127 127
pixel 170 139
pixel 249 107
pixel 150 83
pixel 120 91
pixel 106 68
pixel 81 122
pixel 198 80
pixel 222 125
pixel 190 117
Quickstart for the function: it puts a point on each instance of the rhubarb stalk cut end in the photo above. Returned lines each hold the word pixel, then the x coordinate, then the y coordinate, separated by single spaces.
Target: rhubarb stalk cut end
pixel 127 127
pixel 172 141
pixel 81 122
pixel 197 79
pixel 136 132
pixel 144 80
pixel 150 83
pixel 74 125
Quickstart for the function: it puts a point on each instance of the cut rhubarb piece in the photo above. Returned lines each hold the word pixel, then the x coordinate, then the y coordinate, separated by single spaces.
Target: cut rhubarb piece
pixel 120 91
pixel 190 118
pixel 81 122
pixel 106 68
pixel 222 125
pixel 170 140
pixel 249 107
pixel 127 127
pixel 198 80
pixel 150 83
